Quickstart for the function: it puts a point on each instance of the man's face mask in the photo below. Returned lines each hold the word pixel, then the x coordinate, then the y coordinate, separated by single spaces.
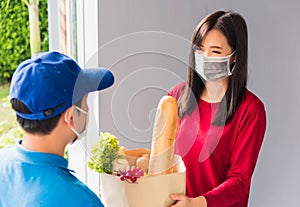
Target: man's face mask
pixel 83 132
pixel 213 68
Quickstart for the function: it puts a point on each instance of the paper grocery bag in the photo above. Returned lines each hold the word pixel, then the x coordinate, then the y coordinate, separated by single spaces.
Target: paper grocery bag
pixel 149 191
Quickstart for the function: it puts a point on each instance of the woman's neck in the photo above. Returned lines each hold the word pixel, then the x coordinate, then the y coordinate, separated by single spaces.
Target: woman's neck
pixel 214 91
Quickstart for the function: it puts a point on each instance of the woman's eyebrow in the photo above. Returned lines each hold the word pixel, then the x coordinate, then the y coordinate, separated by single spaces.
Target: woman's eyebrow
pixel 216 47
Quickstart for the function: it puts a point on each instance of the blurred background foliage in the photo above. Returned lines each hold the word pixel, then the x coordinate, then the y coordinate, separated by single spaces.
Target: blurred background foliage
pixel 15 48
pixel 15 35
pixel 10 131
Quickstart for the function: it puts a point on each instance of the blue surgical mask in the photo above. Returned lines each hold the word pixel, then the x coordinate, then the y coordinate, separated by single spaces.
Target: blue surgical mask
pixel 213 68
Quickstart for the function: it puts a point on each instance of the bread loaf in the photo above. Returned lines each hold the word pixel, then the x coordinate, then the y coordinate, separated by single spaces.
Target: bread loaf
pixel 134 154
pixel 143 162
pixel 163 138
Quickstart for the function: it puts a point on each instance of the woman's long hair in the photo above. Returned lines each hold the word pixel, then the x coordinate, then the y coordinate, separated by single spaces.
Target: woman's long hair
pixel 233 26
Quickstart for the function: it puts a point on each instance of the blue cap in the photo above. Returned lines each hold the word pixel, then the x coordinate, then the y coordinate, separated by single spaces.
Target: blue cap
pixel 50 82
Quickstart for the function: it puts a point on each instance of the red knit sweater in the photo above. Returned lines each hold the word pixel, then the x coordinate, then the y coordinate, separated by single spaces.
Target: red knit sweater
pixel 220 160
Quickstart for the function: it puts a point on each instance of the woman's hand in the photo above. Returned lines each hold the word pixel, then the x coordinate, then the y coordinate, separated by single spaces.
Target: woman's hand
pixel 184 201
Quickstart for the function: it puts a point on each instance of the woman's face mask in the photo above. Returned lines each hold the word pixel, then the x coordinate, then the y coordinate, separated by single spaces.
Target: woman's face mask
pixel 213 68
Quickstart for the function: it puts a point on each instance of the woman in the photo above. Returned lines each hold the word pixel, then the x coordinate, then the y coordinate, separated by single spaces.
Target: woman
pixel 222 124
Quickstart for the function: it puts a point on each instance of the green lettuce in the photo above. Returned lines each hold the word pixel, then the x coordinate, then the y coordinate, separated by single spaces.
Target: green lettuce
pixel 103 153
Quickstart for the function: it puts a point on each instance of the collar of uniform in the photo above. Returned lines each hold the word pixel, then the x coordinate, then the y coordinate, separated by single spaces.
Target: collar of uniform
pixel 41 158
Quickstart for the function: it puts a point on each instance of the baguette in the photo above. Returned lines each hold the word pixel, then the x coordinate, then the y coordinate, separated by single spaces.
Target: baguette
pixel 163 138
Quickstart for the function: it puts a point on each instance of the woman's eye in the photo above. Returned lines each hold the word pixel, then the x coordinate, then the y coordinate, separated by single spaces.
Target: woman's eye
pixel 216 52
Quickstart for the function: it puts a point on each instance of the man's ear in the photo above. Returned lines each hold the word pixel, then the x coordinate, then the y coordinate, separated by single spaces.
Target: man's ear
pixel 68 116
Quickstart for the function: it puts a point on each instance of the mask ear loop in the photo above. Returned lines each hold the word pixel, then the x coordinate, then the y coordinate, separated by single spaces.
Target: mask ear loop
pixel 81 110
pixel 83 133
pixel 231 70
pixel 73 129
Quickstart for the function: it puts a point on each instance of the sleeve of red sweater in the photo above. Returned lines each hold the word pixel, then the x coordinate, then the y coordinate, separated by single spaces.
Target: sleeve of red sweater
pixel 243 160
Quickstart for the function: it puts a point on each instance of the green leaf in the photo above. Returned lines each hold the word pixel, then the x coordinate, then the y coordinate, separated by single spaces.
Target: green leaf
pixel 15 35
pixel 103 153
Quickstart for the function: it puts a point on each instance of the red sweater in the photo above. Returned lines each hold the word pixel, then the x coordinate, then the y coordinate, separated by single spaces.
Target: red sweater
pixel 220 160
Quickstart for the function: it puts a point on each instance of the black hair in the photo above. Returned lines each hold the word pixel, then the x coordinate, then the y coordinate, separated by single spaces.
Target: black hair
pixel 234 28
pixel 43 127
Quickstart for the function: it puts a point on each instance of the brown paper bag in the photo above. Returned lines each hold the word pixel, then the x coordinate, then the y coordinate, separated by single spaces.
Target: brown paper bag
pixel 149 191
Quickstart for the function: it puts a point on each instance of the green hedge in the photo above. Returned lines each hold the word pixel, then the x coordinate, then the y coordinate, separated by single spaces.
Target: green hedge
pixel 15 35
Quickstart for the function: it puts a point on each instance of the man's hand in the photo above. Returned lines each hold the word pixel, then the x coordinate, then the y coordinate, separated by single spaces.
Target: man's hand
pixel 184 201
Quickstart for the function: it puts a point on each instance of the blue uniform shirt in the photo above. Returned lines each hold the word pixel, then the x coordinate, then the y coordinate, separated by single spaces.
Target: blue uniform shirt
pixel 36 179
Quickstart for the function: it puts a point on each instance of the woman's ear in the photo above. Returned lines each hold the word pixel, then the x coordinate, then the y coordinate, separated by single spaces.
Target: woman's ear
pixel 68 116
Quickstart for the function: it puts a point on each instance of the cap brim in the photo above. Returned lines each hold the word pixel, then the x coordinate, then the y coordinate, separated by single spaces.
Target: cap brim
pixel 90 80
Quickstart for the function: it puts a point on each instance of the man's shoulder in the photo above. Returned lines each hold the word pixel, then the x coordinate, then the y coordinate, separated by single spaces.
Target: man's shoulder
pixel 6 150
pixel 75 187
pixel 49 183
pixel 6 153
pixel 85 196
